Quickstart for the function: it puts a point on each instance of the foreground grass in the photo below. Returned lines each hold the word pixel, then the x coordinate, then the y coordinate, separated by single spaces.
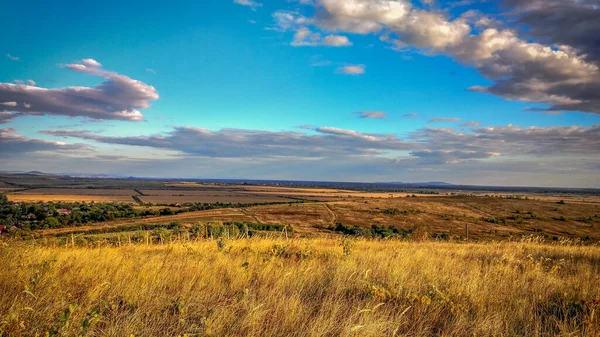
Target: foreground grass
pixel 311 287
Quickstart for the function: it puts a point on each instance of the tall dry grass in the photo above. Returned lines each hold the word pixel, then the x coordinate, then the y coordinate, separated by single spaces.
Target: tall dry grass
pixel 308 287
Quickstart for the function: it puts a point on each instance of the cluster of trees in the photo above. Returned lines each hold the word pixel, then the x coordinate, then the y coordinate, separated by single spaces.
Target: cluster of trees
pixel 42 215
pixel 375 231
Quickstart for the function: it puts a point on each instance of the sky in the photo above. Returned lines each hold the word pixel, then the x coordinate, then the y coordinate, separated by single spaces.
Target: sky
pixel 500 92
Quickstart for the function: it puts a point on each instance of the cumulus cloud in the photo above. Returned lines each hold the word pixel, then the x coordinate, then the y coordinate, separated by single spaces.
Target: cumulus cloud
pixel 118 97
pixel 372 114
pixel 250 3
pixel 553 70
pixel 13 143
pixel 304 37
pixel 358 69
pixel 336 41
pixel 562 22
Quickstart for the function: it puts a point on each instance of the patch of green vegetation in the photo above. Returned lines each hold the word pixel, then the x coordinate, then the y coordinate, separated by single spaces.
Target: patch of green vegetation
pixel 375 231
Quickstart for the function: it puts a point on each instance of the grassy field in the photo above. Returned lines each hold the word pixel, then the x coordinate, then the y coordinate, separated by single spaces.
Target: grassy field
pixel 303 287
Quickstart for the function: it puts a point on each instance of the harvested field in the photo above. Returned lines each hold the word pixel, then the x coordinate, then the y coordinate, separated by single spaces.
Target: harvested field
pixel 68 198
pixel 7 189
pixel 224 199
pixel 79 191
pixel 304 218
pixel 256 188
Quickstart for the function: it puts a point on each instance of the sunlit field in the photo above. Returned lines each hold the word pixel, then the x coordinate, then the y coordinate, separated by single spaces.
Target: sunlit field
pixel 300 287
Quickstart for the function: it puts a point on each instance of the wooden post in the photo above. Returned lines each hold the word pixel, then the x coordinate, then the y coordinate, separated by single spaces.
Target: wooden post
pixel 467 231
pixel 147 238
pixel 73 239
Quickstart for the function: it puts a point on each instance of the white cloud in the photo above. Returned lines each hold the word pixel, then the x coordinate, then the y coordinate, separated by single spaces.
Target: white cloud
pixel 119 97
pixel 250 3
pixel 91 63
pixel 336 41
pixel 305 37
pixel 560 75
pixel 13 58
pixel 358 69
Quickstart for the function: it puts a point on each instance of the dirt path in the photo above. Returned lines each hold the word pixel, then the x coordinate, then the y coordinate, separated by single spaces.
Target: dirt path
pixel 251 215
pixel 332 213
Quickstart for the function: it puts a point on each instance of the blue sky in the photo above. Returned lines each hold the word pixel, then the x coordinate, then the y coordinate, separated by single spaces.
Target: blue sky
pixel 222 65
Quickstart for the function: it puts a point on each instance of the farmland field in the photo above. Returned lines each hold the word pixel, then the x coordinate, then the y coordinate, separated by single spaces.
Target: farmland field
pixel 78 191
pixel 68 198
pixel 169 199
pixel 489 215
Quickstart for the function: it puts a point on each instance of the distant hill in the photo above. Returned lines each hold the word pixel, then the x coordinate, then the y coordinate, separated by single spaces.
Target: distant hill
pixel 36 173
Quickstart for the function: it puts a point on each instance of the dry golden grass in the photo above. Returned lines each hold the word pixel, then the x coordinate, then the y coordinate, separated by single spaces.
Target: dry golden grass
pixel 262 287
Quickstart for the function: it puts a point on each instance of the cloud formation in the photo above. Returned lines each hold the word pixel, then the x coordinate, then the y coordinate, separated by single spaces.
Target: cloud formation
pixel 12 58
pixel 357 69
pixel 428 146
pixel 250 3
pixel 241 143
pixel 13 143
pixel 118 98
pixel 562 22
pixel 305 37
pixel 372 114
pixel 562 74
